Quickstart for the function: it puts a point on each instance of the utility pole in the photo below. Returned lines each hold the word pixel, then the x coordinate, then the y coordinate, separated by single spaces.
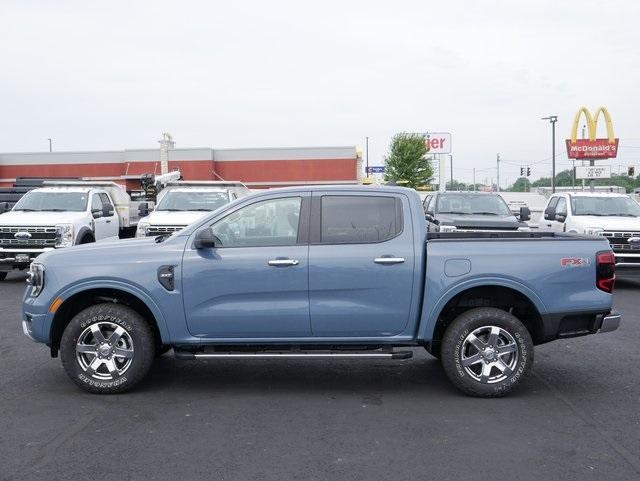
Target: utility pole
pixel 50 149
pixel 474 179
pixel 451 159
pixel 498 173
pixel 367 168
pixel 552 120
pixel 583 132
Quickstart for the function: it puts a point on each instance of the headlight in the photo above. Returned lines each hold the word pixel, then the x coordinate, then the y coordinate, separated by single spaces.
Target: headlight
pixel 593 231
pixel 65 235
pixel 141 231
pixel 35 278
pixel 448 228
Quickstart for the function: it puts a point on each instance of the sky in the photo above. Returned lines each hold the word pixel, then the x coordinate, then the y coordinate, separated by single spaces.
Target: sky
pixel 115 75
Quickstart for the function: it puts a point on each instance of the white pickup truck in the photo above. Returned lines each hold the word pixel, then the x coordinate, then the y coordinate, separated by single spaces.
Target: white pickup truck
pixel 63 214
pixel 181 203
pixel 614 216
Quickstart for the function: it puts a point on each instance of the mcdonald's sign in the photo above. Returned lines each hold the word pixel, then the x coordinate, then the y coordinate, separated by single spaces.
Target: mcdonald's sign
pixel 592 148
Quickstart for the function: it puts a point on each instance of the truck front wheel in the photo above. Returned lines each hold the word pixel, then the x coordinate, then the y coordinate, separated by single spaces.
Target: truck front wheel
pixel 486 352
pixel 3 276
pixel 107 348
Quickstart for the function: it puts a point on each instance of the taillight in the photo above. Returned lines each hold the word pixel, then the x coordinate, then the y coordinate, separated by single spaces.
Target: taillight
pixel 605 270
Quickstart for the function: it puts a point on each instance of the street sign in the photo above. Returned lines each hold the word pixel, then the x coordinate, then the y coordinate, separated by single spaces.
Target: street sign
pixel 438 142
pixel 378 169
pixel 593 172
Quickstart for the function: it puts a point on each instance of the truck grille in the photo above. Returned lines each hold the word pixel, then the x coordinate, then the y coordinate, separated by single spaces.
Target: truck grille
pixel 37 236
pixel 619 241
pixel 155 230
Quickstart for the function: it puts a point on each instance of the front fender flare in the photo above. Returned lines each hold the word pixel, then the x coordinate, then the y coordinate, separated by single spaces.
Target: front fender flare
pixel 132 289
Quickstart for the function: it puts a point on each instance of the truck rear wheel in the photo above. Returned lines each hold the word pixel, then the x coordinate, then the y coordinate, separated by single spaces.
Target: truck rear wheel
pixel 107 348
pixel 486 352
pixel 3 276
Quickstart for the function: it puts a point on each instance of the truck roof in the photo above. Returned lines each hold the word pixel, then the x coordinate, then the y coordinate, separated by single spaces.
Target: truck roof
pixel 83 189
pixel 594 194
pixel 342 187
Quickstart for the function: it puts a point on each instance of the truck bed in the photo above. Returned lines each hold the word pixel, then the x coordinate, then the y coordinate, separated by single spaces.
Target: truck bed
pixel 506 235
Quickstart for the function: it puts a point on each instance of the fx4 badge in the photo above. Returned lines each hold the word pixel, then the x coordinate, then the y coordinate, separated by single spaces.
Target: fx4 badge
pixel 574 262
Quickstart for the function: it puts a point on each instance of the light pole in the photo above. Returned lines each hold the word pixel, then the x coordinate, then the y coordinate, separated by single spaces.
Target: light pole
pixel 50 150
pixel 451 160
pixel 552 120
pixel 367 147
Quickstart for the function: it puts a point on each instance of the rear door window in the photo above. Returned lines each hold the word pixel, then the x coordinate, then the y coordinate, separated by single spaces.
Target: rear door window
pixel 359 219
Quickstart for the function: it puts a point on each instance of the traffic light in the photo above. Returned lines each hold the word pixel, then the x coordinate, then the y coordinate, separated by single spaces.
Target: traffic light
pixel 528 171
pixel 631 171
pixel 521 171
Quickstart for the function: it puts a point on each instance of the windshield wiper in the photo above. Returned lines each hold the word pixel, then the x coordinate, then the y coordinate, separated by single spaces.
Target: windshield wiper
pixel 54 210
pixel 27 210
pixel 484 213
pixel 170 210
pixel 453 212
pixel 200 210
pixel 621 215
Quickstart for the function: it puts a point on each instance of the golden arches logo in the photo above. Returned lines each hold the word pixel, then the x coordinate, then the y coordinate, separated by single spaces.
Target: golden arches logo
pixel 592 148
pixel 592 124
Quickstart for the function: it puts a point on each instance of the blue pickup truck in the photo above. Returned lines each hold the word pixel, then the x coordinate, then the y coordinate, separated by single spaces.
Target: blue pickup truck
pixel 319 272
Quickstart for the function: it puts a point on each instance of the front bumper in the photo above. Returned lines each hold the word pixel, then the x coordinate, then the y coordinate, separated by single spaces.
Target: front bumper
pixel 610 322
pixel 19 258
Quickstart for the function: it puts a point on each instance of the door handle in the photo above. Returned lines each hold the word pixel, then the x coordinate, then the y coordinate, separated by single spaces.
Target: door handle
pixel 388 260
pixel 283 262
pixel 108 221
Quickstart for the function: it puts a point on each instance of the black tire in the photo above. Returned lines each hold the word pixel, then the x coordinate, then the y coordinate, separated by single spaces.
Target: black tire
pixel 109 374
pixel 465 365
pixel 3 276
pixel 87 239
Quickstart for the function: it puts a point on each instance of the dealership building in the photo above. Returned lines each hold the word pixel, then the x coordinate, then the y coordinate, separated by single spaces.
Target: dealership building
pixel 256 167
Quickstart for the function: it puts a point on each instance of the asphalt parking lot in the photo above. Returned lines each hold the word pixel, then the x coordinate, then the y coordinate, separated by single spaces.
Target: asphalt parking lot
pixel 576 418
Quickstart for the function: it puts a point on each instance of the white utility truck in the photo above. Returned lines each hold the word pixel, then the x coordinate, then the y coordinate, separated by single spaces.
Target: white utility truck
pixel 611 215
pixel 181 203
pixel 62 214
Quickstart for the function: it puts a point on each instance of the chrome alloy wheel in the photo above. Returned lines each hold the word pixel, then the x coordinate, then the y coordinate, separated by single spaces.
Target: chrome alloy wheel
pixel 104 350
pixel 489 354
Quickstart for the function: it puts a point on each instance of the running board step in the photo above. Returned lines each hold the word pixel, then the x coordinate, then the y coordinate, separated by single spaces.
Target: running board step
pixel 188 355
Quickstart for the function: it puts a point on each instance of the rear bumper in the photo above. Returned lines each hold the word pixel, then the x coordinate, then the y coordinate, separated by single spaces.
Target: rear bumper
pixel 610 322
pixel 574 324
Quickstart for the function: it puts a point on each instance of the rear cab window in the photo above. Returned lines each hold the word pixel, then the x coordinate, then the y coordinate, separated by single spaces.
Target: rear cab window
pixel 351 219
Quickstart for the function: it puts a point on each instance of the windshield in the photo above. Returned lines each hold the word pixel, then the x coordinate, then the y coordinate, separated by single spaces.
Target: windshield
pixel 472 204
pixel 194 201
pixel 53 201
pixel 605 206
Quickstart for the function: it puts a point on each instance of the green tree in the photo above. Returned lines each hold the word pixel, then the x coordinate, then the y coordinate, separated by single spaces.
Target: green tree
pixel 407 162
pixel 520 185
pixel 565 179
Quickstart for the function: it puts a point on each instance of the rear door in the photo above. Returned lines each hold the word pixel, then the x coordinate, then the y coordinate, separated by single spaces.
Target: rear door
pixel 361 261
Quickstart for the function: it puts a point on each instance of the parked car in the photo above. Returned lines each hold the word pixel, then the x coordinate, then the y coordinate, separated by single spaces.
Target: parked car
pixel 471 211
pixel 62 214
pixel 182 202
pixel 614 216
pixel 319 272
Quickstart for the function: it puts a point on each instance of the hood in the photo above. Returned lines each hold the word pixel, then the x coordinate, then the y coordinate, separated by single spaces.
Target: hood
pixel 506 222
pixel 611 223
pixel 110 252
pixel 185 217
pixel 20 218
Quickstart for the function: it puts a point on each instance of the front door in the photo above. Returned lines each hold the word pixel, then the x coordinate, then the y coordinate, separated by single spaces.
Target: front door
pixel 361 265
pixel 100 226
pixel 255 284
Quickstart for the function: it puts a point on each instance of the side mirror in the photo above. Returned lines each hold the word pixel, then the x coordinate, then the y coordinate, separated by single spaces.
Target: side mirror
pixel 206 239
pixel 525 214
pixel 550 213
pixel 107 210
pixel 4 207
pixel 96 213
pixel 560 217
pixel 143 209
pixel 429 217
